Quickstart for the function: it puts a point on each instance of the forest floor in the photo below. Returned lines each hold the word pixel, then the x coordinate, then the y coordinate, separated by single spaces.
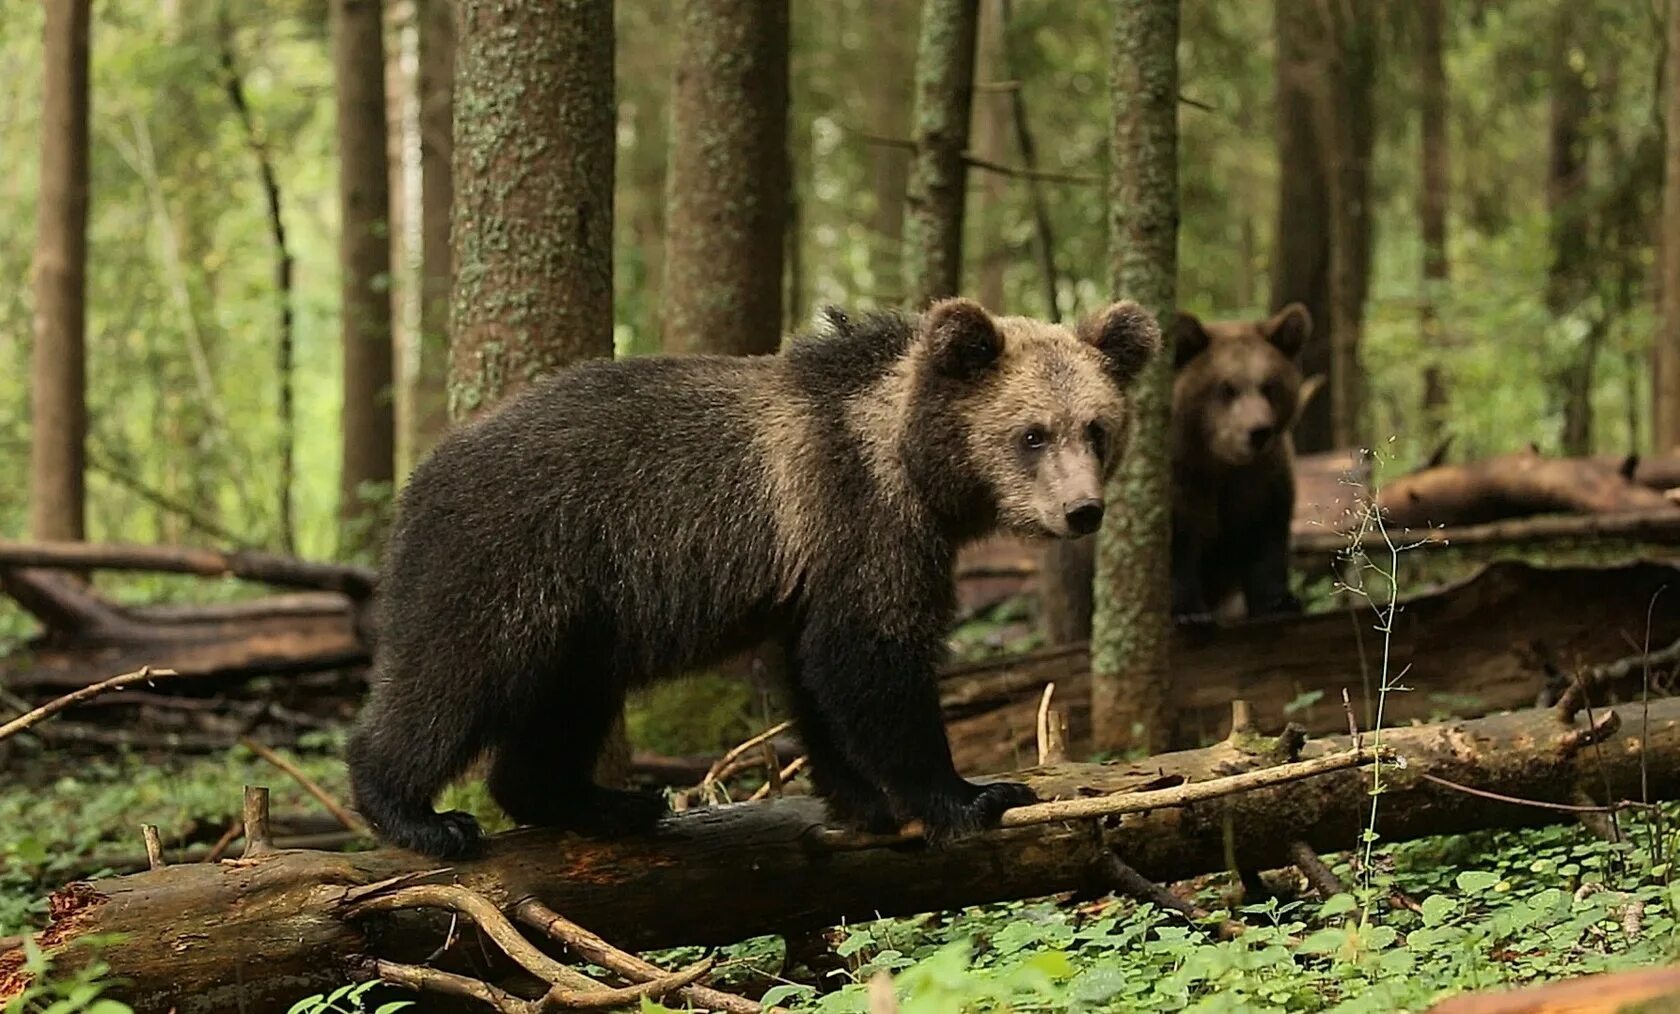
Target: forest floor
pixel 1421 921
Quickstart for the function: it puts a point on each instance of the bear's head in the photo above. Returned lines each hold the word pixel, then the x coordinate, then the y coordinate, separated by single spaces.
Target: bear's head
pixel 1237 386
pixel 1026 418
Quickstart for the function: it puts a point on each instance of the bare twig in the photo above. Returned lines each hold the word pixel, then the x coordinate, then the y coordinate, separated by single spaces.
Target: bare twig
pixel 1040 175
pixel 430 980
pixel 144 674
pixel 257 840
pixel 1601 729
pixel 1541 804
pixel 1052 730
pixel 350 821
pixel 783 777
pixel 1573 697
pixel 723 766
pixel 1123 878
pixel 154 846
pixel 221 846
pixel 490 921
pixel 1118 803
pixel 1317 872
pixel 597 951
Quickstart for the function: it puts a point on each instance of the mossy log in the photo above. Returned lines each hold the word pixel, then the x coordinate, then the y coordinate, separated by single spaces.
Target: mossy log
pixel 257 935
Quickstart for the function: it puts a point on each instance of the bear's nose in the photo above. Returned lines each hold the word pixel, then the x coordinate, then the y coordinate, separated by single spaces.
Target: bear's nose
pixel 1259 435
pixel 1084 516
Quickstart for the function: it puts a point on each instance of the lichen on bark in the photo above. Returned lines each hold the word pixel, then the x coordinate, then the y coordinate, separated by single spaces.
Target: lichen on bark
pixel 933 223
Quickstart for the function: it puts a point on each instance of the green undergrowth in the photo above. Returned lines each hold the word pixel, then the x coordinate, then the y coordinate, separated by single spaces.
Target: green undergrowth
pixel 1497 909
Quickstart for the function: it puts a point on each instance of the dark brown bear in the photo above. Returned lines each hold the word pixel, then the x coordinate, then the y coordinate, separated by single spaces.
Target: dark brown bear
pixel 1234 401
pixel 622 522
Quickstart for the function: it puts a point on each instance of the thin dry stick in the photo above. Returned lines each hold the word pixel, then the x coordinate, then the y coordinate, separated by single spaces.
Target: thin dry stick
pixel 489 919
pixel 719 769
pixel 784 776
pixel 144 674
pixel 1118 803
pixel 430 980
pixel 257 840
pixel 350 821
pixel 592 948
pixel 1052 741
pixel 1541 804
pixel 1317 872
pixel 1599 730
pixel 217 850
pixel 1121 877
pixel 154 846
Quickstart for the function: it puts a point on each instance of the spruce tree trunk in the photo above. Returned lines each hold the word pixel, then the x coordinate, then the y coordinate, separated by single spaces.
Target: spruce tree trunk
pixel 933 224
pixel 436 30
pixel 990 129
pixel 58 363
pixel 1432 212
pixel 1568 276
pixel 891 96
pixel 1665 394
pixel 727 186
pixel 368 416
pixel 533 172
pixel 1131 627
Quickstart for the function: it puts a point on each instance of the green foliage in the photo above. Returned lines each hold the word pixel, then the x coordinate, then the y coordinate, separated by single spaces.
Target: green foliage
pixel 347 999
pixel 79 992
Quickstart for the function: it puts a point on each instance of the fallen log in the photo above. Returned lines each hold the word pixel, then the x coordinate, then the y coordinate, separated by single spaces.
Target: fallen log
pixel 259 934
pixel 1509 636
pixel 249 565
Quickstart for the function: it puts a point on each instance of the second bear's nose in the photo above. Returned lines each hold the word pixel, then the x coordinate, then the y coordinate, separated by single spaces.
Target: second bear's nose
pixel 1258 436
pixel 1084 516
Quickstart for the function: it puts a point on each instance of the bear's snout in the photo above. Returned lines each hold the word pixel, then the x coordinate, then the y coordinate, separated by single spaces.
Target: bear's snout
pixel 1084 516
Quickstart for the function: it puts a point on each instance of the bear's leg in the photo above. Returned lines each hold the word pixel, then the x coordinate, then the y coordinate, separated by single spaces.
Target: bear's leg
pixel 543 774
pixel 1189 592
pixel 850 797
pixel 1265 580
pixel 878 697
pixel 402 753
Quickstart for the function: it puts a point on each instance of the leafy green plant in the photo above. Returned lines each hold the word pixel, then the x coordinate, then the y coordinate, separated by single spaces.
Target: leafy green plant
pixel 351 999
pixel 79 992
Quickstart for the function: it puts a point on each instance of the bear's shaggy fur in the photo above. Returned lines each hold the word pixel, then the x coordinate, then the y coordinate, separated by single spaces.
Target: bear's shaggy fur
pixel 1235 397
pixel 622 522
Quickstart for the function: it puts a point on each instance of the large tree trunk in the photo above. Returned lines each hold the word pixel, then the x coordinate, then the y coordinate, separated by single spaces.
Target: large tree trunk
pixel 1665 392
pixel 990 129
pixel 368 418
pixel 1432 213
pixel 533 172
pixel 281 920
pixel 58 361
pixel 1569 275
pixel 891 94
pixel 1131 628
pixel 933 225
pixel 727 185
pixel 435 84
pixel 1326 63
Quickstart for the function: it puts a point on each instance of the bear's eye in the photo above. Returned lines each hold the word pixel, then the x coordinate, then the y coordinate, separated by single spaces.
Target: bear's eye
pixel 1228 390
pixel 1035 438
pixel 1097 437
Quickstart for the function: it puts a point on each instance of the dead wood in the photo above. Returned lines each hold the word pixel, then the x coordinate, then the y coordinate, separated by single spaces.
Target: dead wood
pixel 249 565
pixel 1645 989
pixel 741 870
pixel 1507 637
pixel 1510 486
pixel 145 674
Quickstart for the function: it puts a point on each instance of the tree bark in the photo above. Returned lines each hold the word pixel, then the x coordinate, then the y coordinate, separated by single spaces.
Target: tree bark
pixel 1568 276
pixel 1131 629
pixel 727 186
pixel 436 85
pixel 933 223
pixel 533 172
pixel 1665 392
pixel 1435 183
pixel 188 924
pixel 1326 64
pixel 368 417
pixel 58 359
pixel 990 131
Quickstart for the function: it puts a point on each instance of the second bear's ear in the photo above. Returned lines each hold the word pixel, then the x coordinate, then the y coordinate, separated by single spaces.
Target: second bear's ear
pixel 1126 335
pixel 962 337
pixel 1289 329
pixel 1189 338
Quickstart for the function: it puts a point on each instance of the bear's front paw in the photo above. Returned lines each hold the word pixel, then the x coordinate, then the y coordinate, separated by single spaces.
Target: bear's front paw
pixel 977 808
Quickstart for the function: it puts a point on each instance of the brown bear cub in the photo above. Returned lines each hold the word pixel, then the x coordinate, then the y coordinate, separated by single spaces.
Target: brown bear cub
pixel 623 522
pixel 1234 400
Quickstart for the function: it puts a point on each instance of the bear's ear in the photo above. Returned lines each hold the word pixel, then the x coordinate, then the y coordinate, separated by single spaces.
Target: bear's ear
pixel 1289 329
pixel 1190 338
pixel 1126 335
pixel 963 340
